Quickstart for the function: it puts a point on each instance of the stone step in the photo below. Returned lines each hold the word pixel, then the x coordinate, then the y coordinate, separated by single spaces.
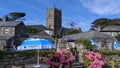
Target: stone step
pixel 80 66
pixel 76 65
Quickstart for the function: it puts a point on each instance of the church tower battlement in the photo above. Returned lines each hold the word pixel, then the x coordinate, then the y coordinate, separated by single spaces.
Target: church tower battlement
pixel 54 19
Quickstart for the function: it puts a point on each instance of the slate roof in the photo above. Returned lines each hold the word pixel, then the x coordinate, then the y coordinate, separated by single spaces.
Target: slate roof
pixel 81 35
pixel 91 35
pixel 111 28
pixel 44 35
pixel 9 23
pixel 38 27
pixel 5 37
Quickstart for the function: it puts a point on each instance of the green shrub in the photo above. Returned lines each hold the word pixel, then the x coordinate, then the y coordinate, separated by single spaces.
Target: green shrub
pixel 112 63
pixel 27 52
pixel 32 52
pixel 109 52
pixel 86 61
pixel 85 42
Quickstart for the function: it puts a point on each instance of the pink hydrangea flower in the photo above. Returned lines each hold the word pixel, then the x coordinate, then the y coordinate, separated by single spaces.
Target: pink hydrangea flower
pixel 96 60
pixel 65 57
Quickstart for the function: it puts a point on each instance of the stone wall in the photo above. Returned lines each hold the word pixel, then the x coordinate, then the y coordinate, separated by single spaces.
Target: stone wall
pixel 107 59
pixel 114 58
pixel 81 50
pixel 10 31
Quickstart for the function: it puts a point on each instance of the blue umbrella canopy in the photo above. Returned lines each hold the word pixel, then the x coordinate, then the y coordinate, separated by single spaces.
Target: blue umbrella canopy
pixel 35 43
pixel 93 42
pixel 117 46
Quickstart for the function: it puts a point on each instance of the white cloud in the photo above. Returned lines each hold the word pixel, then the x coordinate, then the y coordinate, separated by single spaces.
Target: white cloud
pixel 102 7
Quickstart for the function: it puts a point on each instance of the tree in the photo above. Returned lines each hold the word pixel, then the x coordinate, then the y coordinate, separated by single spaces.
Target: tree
pixel 73 31
pixel 0 19
pixel 100 23
pixel 13 16
pixel 85 42
pixel 118 37
pixel 16 15
pixel 115 21
pixel 103 22
pixel 32 30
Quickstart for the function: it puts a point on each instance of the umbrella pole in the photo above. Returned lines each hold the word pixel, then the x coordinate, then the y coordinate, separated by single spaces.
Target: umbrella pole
pixel 38 64
pixel 38 57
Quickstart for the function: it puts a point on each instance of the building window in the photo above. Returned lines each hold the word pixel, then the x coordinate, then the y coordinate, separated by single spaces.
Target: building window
pixel 6 30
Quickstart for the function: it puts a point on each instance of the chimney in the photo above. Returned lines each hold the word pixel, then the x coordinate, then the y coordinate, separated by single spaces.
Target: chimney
pixel 99 28
pixel 5 18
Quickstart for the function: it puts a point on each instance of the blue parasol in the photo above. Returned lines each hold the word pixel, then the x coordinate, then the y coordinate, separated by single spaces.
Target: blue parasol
pixel 93 42
pixel 116 46
pixel 35 44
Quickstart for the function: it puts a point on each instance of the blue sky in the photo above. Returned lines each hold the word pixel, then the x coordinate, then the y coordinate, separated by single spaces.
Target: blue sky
pixel 82 12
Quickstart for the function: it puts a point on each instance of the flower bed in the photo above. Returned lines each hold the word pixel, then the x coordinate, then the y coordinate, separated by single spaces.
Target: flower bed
pixel 93 60
pixel 61 57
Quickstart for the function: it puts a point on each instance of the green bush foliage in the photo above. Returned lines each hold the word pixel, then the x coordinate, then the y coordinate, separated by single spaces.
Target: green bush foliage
pixel 27 53
pixel 109 52
pixel 112 63
pixel 85 42
pixel 86 61
pixel 118 37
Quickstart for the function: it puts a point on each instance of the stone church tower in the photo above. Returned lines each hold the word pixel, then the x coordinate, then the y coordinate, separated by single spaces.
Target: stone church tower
pixel 54 20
